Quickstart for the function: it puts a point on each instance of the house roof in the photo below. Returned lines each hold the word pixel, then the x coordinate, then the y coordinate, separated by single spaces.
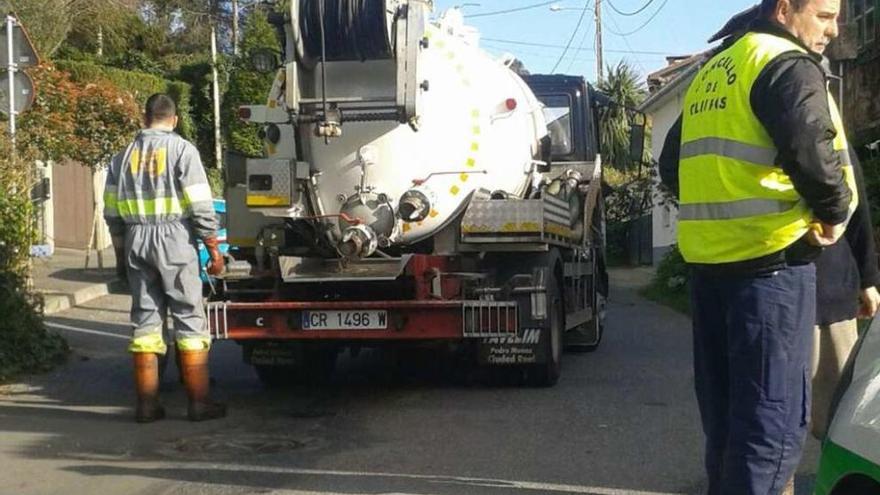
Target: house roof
pixel 665 82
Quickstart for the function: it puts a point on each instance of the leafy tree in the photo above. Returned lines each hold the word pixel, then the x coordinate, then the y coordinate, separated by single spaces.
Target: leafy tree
pixel 46 21
pixel 51 22
pixel 247 86
pixel 625 87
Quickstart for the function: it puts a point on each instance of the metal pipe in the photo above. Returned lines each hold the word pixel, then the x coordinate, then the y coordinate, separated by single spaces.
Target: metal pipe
pixel 215 93
pixel 10 73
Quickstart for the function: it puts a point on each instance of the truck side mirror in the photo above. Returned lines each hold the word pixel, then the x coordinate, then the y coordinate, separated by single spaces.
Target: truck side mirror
pixel 546 154
pixel 637 143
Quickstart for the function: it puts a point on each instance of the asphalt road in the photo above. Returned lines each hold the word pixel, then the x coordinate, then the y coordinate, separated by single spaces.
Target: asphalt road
pixel 622 420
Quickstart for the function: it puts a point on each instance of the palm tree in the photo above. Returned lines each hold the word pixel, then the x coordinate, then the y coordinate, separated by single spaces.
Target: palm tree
pixel 624 86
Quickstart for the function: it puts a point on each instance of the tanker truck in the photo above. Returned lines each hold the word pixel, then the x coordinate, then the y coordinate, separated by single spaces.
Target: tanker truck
pixel 415 192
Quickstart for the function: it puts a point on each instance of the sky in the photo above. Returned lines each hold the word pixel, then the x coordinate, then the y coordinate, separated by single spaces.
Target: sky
pixel 678 27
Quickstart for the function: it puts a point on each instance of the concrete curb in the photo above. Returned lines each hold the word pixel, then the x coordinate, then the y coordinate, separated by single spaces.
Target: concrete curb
pixel 57 302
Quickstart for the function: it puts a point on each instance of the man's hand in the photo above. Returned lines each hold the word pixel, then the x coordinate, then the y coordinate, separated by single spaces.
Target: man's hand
pixel 870 302
pixel 216 262
pixel 823 235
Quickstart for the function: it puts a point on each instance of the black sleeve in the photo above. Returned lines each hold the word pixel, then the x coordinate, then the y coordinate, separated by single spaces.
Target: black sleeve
pixel 791 101
pixel 669 158
pixel 860 234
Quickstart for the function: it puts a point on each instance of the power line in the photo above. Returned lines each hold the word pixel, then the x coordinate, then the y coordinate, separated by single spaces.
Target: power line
pixel 573 34
pixel 636 30
pixel 626 40
pixel 580 46
pixel 578 58
pixel 630 14
pixel 510 11
pixel 547 45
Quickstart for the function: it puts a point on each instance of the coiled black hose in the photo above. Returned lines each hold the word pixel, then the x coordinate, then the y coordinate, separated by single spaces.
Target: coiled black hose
pixel 353 29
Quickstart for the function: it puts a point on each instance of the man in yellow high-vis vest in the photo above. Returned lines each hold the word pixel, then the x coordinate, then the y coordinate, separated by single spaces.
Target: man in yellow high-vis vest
pixel 759 160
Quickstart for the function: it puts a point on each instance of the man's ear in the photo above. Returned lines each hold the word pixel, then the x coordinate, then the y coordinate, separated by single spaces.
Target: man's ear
pixel 783 10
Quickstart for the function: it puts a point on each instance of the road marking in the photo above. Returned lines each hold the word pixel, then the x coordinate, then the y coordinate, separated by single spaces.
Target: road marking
pixel 454 480
pixel 59 326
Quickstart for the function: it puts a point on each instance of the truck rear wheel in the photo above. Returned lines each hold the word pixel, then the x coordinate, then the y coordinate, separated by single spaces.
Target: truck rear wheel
pixel 547 374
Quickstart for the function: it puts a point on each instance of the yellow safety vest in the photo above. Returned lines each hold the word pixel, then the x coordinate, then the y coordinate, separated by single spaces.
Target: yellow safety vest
pixel 736 203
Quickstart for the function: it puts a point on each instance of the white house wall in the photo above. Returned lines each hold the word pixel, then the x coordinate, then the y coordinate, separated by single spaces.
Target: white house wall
pixel 665 218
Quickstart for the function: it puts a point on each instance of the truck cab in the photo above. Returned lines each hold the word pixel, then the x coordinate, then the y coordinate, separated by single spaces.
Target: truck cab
pixel 571 116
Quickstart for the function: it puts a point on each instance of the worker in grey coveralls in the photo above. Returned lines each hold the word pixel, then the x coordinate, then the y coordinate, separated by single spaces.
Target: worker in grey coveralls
pixel 157 201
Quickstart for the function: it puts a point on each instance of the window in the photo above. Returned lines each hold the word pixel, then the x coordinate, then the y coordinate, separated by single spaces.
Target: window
pixel 862 14
pixel 557 113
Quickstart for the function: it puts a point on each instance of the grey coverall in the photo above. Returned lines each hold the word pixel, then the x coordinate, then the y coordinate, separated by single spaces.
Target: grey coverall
pixel 157 196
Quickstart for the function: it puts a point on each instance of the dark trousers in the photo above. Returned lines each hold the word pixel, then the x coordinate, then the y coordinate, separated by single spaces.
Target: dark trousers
pixel 752 346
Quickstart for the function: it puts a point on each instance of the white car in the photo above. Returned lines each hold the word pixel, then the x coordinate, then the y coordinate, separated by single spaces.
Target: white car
pixel 850 462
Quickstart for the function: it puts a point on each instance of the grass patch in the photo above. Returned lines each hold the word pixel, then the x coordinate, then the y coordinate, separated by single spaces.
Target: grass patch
pixel 670 284
pixel 677 300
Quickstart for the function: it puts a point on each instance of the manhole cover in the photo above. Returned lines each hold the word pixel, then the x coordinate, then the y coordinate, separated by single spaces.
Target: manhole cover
pixel 230 445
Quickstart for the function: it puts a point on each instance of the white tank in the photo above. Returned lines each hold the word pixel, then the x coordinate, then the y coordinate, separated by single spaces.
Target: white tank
pixel 479 127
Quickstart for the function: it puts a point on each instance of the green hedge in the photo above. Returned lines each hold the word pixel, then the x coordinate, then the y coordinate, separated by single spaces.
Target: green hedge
pixel 140 85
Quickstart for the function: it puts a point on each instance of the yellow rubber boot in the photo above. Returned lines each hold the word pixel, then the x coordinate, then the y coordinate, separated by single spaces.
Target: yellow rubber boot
pixel 146 381
pixel 194 368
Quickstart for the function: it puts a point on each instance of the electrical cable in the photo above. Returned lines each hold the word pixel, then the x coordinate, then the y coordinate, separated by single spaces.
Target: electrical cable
pixel 573 34
pixel 511 11
pixel 633 13
pixel 645 24
pixel 546 45
pixel 626 40
pixel 579 48
pixel 355 29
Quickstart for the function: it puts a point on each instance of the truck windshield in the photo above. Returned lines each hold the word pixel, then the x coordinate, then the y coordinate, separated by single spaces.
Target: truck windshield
pixel 557 113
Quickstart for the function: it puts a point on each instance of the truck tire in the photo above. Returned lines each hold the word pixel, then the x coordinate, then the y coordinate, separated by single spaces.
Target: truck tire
pixel 547 374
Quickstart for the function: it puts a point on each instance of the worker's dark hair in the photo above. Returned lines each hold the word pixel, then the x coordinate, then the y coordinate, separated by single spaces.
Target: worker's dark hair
pixel 159 107
pixel 769 6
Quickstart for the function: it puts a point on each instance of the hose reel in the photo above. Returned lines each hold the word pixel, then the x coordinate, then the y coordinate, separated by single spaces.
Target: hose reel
pixel 354 29
pixel 338 31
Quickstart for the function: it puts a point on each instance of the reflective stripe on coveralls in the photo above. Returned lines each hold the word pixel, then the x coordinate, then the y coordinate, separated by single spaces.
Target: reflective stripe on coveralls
pixel 155 344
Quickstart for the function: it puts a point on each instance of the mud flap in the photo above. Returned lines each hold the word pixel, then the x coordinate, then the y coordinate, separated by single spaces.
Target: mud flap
pixel 527 347
pixel 530 346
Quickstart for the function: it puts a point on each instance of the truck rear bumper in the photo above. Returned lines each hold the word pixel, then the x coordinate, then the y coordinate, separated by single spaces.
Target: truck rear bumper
pixel 406 320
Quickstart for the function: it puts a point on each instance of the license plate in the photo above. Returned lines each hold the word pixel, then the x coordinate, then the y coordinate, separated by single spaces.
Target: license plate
pixel 345 320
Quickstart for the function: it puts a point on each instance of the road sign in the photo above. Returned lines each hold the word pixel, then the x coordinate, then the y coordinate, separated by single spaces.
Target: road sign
pixel 24 92
pixel 23 52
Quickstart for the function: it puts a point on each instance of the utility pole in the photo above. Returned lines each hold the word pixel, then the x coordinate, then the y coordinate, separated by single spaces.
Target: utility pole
pixel 215 92
pixel 235 32
pixel 600 64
